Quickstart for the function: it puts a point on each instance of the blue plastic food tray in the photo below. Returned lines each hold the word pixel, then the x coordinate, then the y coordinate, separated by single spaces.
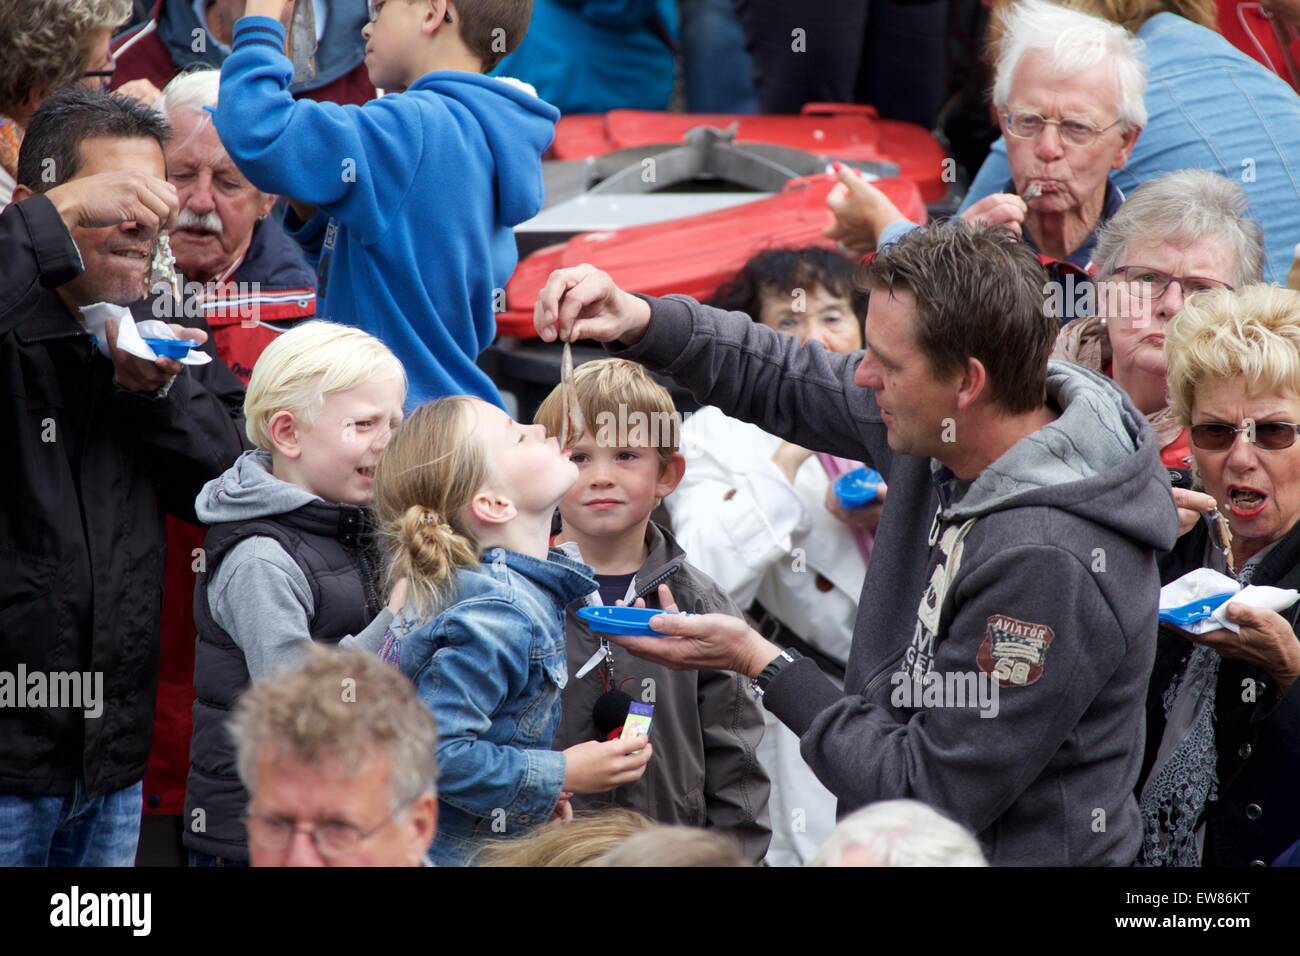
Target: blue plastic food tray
pixel 858 487
pixel 625 621
pixel 1194 611
pixel 170 348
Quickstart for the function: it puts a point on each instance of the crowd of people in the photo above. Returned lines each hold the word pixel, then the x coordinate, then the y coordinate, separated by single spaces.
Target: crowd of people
pixel 307 591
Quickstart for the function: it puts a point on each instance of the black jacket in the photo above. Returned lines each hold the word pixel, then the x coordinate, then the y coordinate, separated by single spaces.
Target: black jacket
pixel 1256 733
pixel 335 547
pixel 89 471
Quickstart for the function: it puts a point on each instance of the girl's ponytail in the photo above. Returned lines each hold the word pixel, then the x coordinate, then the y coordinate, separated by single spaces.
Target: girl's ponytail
pixel 429 473
pixel 427 553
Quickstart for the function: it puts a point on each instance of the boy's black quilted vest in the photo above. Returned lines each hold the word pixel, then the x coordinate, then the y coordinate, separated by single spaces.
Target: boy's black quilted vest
pixel 334 545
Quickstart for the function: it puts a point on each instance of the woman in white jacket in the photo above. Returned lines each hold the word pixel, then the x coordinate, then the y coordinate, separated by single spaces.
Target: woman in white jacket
pixel 759 516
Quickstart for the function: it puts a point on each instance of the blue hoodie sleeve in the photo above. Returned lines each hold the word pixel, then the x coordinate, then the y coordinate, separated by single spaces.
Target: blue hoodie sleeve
pixel 336 157
pixel 478 665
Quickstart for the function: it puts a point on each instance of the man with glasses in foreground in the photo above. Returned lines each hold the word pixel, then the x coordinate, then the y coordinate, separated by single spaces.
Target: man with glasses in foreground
pixel 339 757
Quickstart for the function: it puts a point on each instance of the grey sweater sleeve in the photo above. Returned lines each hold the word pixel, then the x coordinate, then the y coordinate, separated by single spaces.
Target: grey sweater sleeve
pixel 261 598
pixel 863 749
pixel 805 395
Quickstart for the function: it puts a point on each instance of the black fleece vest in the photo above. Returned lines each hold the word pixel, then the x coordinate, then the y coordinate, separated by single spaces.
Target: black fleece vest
pixel 334 545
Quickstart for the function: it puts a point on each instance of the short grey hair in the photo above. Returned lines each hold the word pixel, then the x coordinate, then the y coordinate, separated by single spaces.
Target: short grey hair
pixel 902 833
pixel 1179 208
pixel 1074 42
pixel 335 711
pixel 191 90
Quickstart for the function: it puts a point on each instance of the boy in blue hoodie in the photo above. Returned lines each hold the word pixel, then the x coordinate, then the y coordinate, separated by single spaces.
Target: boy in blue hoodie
pixel 407 203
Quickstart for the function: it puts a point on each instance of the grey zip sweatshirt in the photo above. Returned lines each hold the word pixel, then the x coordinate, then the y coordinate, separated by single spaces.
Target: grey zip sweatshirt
pixel 1038 577
pixel 259 595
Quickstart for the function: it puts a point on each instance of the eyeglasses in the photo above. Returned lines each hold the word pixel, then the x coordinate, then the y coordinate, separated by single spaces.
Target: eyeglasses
pixel 1152 283
pixel 332 838
pixel 1026 124
pixel 105 77
pixel 1219 436
pixel 374 7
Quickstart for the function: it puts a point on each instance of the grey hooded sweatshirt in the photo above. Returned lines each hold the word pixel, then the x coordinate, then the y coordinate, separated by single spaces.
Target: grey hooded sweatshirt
pixel 258 594
pixel 1038 577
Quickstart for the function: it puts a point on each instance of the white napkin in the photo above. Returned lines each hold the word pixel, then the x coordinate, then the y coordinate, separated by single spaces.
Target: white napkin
pixel 1206 583
pixel 131 336
pixel 1256 595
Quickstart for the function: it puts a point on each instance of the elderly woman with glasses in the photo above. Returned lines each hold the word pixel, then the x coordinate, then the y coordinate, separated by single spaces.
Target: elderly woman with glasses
pixel 1069 92
pixel 1222 765
pixel 1182 233
pixel 49 44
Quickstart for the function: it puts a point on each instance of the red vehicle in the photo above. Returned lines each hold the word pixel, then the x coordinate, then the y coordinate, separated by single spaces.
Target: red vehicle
pixel 844 131
pixel 677 203
pixel 695 255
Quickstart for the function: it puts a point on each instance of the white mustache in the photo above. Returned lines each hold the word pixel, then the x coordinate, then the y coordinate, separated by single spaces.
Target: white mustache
pixel 210 222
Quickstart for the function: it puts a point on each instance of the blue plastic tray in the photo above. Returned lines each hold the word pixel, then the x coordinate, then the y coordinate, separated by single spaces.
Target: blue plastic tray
pixel 1195 611
pixel 170 348
pixel 858 487
pixel 624 621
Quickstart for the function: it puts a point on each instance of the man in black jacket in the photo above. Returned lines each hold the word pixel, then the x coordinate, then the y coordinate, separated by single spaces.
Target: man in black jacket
pixel 98 449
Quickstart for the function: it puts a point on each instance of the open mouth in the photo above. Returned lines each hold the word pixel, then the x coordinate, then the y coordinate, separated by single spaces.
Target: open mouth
pixel 131 253
pixel 368 473
pixel 1246 502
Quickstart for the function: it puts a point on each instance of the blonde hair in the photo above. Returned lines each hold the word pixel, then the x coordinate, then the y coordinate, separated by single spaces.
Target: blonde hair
pixel 580 842
pixel 46 42
pixel 1252 333
pixel 305 715
pixel 618 393
pixel 675 846
pixel 1130 14
pixel 303 365
pixel 424 482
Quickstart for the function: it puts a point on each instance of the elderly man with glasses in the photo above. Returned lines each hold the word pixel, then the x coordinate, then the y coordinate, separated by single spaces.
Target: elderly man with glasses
pixel 1069 93
pixel 339 757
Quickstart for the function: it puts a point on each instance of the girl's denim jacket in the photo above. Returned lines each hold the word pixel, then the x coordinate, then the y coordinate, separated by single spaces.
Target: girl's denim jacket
pixel 491 667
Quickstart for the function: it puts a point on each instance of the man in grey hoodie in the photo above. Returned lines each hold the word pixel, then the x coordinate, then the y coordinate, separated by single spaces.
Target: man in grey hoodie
pixel 1014 573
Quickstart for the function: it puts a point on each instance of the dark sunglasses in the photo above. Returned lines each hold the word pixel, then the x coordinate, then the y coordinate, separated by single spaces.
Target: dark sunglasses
pixel 1272 436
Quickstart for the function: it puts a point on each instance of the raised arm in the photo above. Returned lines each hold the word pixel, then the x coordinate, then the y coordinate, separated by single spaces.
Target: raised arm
pixel 805 395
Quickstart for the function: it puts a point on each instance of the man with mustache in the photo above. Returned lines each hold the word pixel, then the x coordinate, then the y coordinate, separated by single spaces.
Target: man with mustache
pixel 225 237
pixel 249 281
pixel 101 444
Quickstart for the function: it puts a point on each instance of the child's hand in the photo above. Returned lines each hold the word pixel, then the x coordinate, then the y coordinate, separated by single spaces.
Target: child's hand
pixel 281 10
pixel 563 812
pixel 600 765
